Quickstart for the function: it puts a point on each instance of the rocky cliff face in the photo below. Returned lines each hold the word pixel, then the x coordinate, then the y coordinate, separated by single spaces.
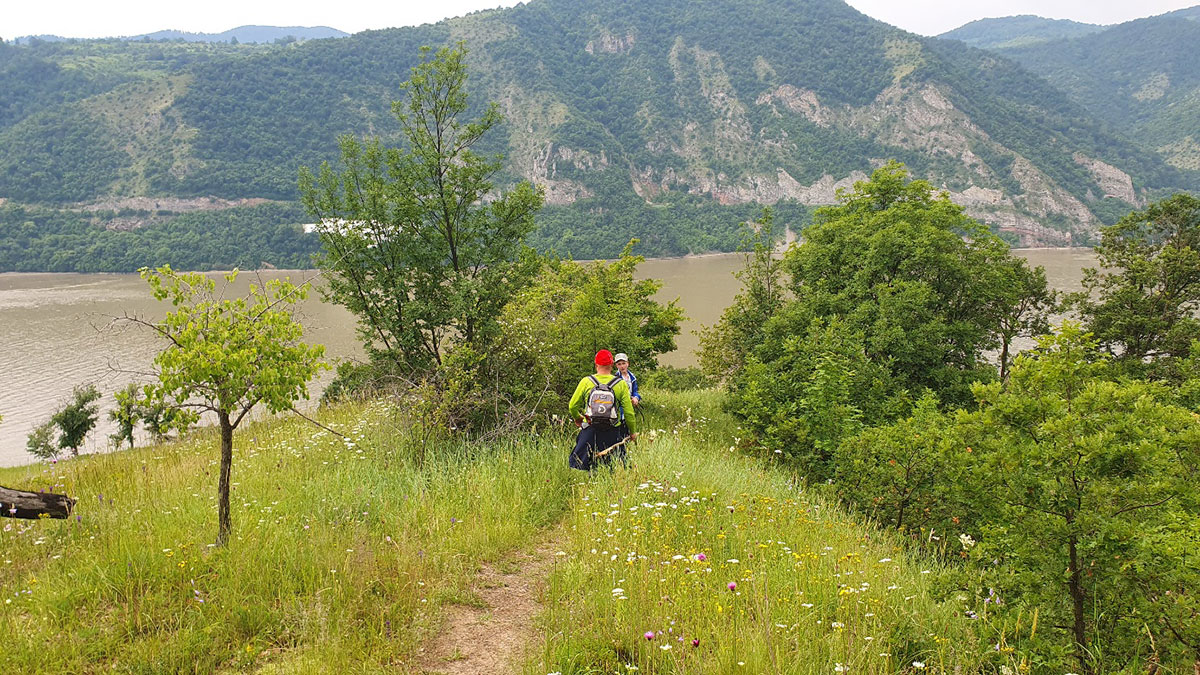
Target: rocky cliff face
pixel 718 129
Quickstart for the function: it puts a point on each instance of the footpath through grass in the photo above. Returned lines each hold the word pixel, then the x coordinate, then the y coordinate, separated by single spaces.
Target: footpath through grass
pixel 347 551
pixel 343 550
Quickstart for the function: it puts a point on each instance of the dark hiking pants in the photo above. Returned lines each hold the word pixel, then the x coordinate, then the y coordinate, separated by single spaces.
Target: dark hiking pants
pixel 594 439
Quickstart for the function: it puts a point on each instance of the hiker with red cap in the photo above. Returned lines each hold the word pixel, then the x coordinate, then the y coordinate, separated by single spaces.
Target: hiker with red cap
pixel 596 406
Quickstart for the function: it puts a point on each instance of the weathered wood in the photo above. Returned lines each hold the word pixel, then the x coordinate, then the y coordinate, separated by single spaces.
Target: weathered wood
pixel 31 505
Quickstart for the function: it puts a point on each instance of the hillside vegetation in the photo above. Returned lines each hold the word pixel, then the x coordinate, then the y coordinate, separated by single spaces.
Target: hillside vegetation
pixel 349 550
pixel 1140 77
pixel 660 120
pixel 1018 31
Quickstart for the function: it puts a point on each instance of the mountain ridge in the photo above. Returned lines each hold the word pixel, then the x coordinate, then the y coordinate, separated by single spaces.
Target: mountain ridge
pixel 638 119
pixel 1140 76
pixel 247 33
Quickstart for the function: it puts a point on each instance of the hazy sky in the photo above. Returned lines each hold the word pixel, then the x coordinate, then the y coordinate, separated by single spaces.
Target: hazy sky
pixel 89 18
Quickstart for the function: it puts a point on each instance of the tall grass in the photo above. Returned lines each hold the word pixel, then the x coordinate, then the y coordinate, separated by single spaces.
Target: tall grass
pixel 343 550
pixel 346 551
pixel 700 560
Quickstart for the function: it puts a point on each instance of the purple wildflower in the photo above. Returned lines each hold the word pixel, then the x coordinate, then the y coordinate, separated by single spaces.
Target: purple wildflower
pixel 695 642
pixel 700 557
pixel 649 635
pixel 733 585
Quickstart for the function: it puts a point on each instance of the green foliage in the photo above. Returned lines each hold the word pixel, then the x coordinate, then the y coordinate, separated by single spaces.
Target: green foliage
pixel 1015 31
pixel 68 427
pixel 591 118
pixel 59 155
pixel 1071 470
pixel 725 345
pixel 893 292
pixel 907 475
pixel 41 442
pixel 412 249
pixel 125 415
pixel 551 330
pixel 77 418
pixel 36 239
pixel 923 284
pixel 1138 77
pixel 1142 301
pixel 159 417
pixel 1067 493
pixel 815 388
pixel 227 356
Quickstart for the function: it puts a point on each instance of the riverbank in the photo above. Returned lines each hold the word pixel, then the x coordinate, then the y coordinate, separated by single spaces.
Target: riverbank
pixel 350 553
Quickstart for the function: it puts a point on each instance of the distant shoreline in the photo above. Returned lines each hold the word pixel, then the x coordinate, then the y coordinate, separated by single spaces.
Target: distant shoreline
pixel 686 256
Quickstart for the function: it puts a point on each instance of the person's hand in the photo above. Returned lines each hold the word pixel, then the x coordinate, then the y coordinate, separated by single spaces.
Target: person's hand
pixel 636 401
pixel 579 422
pixel 633 438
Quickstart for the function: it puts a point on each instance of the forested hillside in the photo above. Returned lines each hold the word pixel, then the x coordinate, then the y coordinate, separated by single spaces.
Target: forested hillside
pixel 1015 31
pixel 666 120
pixel 1142 77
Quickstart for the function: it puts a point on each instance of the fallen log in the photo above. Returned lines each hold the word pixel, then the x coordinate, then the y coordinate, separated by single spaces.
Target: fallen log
pixel 32 505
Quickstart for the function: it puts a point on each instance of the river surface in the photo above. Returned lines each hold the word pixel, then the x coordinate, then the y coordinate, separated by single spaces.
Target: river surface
pixel 57 331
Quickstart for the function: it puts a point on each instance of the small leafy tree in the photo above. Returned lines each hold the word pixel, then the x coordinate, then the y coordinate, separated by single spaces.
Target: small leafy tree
pixel 1073 469
pixel 552 329
pixel 418 244
pixel 41 442
pixel 75 419
pixel 1141 303
pixel 78 417
pixel 906 475
pixel 227 356
pixel 125 415
pixel 928 288
pixel 725 345
pixel 160 418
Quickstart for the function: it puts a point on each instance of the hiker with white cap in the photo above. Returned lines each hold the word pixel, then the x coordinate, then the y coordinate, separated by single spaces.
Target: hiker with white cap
pixel 596 406
pixel 621 361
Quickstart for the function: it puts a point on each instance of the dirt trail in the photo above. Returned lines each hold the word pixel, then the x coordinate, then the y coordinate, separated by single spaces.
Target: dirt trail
pixel 493 639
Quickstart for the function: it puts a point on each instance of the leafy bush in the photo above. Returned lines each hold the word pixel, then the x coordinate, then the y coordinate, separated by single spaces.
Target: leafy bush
pixel 551 330
pixel 908 475
pixel 1141 302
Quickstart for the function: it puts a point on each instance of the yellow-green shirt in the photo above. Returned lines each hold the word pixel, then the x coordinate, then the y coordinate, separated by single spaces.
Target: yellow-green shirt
pixel 620 389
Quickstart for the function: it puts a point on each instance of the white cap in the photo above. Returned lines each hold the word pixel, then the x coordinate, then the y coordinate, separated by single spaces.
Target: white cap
pixel 621 357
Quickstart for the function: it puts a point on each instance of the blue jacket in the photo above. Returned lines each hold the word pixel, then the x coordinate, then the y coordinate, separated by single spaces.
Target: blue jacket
pixel 633 385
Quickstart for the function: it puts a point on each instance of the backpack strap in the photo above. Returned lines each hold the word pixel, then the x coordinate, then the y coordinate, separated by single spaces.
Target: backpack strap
pixel 594 380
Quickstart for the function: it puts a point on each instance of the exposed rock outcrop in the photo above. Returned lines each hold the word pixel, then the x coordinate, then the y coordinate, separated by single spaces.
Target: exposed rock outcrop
pixel 1112 181
pixel 609 43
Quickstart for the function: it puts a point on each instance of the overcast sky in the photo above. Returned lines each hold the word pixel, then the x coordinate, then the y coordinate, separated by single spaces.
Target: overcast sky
pixel 89 18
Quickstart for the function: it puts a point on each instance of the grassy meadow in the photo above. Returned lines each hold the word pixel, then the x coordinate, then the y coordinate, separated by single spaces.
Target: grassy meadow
pixel 346 552
pixel 699 559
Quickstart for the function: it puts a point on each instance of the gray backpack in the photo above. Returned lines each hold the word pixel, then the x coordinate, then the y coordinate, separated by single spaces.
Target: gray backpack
pixel 601 407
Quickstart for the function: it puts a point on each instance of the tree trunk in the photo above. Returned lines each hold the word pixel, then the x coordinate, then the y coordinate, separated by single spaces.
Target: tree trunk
pixel 1075 584
pixel 1004 346
pixel 32 505
pixel 224 524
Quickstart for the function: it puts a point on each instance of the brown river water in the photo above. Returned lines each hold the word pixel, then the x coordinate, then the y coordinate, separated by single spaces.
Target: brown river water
pixel 56 331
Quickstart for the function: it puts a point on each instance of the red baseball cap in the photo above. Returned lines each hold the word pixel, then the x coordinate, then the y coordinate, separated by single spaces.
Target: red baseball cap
pixel 604 358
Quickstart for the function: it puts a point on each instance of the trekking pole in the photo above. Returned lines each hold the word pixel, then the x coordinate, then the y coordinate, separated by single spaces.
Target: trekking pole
pixel 610 448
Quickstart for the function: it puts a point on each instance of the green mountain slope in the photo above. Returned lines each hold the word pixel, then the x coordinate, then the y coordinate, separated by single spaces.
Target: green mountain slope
pixel 1142 77
pixel 1014 31
pixel 668 120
